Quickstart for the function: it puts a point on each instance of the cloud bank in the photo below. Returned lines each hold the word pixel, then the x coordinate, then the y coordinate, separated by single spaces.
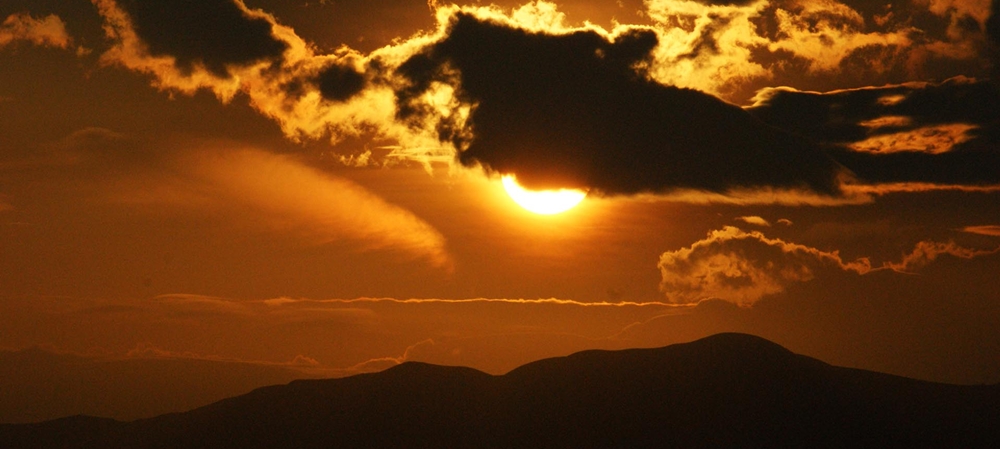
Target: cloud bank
pixel 625 111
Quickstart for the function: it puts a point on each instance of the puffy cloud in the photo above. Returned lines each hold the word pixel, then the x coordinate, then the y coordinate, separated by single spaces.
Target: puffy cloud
pixel 310 94
pixel 733 48
pixel 212 35
pixel 742 267
pixel 48 31
pixel 826 32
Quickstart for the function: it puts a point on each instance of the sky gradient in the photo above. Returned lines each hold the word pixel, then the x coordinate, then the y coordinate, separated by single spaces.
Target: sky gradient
pixel 316 185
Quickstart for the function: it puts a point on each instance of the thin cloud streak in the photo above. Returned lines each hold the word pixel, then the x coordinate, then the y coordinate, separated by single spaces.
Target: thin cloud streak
pixel 916 187
pixel 554 301
pixel 993 230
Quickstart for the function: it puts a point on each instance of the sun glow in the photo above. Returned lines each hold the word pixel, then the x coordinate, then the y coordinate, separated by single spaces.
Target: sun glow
pixel 545 202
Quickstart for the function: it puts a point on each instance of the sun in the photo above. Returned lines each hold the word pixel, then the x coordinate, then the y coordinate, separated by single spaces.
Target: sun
pixel 545 202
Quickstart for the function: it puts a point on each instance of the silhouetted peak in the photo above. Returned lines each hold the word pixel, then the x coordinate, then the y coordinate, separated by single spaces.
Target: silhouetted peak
pixel 737 342
pixel 429 369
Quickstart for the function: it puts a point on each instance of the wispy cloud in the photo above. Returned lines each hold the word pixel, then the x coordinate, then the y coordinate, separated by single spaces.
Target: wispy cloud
pixel 540 301
pixel 285 195
pixel 148 351
pixel 983 230
pixel 927 252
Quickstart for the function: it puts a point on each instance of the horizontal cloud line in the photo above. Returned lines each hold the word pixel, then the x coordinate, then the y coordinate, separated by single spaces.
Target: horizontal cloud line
pixel 556 301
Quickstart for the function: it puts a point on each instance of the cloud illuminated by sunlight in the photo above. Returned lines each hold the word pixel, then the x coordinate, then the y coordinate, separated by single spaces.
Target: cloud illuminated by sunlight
pixel 993 230
pixel 49 31
pixel 425 108
pixel 288 196
pixel 742 267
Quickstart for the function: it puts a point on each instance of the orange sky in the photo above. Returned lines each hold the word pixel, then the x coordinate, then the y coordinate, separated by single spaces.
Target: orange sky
pixel 317 184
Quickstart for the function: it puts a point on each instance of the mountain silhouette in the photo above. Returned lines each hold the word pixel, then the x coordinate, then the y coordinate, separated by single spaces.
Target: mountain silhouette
pixel 724 391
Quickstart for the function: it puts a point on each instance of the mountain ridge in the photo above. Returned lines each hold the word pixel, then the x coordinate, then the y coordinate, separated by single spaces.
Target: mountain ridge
pixel 728 390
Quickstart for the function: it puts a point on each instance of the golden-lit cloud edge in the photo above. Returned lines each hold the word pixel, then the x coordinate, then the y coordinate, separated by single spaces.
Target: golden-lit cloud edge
pixel 743 267
pixel 754 220
pixel 48 31
pixel 307 112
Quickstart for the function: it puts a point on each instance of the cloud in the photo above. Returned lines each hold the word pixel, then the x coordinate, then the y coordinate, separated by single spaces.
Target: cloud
pixel 287 196
pixel 754 220
pixel 212 35
pixel 148 351
pixel 539 301
pixel 48 31
pixel 785 221
pixel 732 48
pixel 993 230
pixel 519 91
pixel 606 127
pixel 309 94
pixel 913 134
pixel 926 252
pixel 742 267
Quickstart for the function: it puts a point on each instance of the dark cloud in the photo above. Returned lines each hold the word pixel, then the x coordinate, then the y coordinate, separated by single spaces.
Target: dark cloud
pixel 576 110
pixel 215 33
pixel 993 40
pixel 339 83
pixel 947 133
pixel 727 2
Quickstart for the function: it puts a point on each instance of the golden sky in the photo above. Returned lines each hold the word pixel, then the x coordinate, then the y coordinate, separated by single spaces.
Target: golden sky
pixel 317 184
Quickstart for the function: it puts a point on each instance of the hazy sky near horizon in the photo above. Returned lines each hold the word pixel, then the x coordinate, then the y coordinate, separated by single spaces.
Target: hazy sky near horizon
pixel 317 183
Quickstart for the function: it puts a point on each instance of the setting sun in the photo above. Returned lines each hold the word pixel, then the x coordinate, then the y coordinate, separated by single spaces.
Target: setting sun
pixel 545 202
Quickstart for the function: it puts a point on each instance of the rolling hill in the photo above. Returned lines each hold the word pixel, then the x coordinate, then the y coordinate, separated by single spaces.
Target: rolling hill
pixel 724 391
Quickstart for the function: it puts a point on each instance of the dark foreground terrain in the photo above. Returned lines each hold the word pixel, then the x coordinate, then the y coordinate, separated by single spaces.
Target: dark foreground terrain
pixel 729 390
